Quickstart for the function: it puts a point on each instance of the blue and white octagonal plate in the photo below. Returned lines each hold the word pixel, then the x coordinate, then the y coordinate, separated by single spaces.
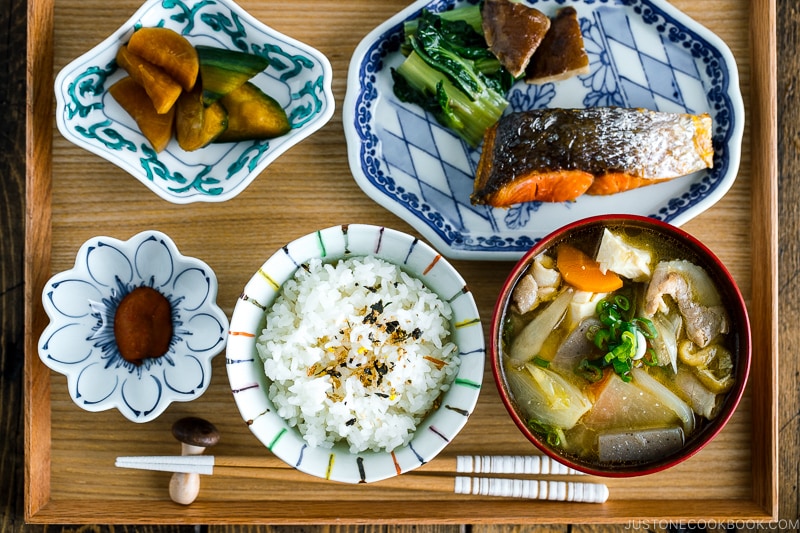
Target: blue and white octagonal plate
pixel 643 53
pixel 298 77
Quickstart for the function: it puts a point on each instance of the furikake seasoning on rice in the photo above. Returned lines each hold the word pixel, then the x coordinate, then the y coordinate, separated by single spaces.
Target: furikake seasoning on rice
pixel 357 351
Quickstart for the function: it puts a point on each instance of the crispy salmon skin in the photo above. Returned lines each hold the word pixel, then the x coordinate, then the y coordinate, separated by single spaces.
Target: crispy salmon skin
pixel 555 155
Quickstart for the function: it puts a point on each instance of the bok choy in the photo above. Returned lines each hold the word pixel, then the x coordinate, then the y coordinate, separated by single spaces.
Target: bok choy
pixel 450 72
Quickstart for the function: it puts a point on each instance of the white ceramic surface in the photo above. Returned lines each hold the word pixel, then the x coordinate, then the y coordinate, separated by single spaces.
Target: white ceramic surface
pixel 249 384
pixel 643 53
pixel 298 77
pixel 79 341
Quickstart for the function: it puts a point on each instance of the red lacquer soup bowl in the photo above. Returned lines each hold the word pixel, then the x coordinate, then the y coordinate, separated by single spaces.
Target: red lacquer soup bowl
pixel 620 345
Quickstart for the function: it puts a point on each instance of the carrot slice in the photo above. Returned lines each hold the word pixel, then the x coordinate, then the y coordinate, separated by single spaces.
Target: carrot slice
pixel 583 272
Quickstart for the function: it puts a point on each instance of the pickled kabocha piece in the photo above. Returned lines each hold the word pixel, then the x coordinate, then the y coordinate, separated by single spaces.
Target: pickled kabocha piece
pixel 556 155
pixel 155 126
pixel 197 125
pixel 168 50
pixel 160 87
pixel 513 32
pixel 561 54
pixel 252 114
pixel 222 70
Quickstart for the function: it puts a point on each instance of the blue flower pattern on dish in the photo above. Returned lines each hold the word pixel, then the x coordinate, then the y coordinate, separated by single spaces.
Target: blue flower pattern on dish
pixel 643 53
pixel 80 343
pixel 298 76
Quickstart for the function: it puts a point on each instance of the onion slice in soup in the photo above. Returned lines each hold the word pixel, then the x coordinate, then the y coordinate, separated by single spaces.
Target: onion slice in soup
pixel 527 344
pixel 670 400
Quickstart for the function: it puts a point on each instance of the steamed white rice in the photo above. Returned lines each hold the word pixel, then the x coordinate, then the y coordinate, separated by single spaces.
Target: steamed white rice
pixel 357 351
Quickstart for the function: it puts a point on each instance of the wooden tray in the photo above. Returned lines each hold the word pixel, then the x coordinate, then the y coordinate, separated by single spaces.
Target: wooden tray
pixel 73 195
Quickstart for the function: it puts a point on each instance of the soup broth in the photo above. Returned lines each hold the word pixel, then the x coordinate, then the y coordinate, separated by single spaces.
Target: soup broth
pixel 617 346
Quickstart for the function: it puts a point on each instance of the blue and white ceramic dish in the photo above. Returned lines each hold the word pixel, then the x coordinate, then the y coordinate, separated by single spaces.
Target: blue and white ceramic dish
pixel 79 341
pixel 643 53
pixel 250 386
pixel 298 77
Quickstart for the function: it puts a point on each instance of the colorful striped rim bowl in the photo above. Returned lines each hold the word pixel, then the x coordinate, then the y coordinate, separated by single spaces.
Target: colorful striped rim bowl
pixel 250 385
pixel 681 407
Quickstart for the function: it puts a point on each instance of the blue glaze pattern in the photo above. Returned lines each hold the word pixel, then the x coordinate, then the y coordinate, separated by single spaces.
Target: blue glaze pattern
pixel 80 343
pixel 643 53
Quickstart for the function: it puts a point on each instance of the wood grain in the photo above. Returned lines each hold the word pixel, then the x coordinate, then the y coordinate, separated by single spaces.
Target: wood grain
pixel 283 220
pixel 111 203
pixel 764 169
pixel 788 82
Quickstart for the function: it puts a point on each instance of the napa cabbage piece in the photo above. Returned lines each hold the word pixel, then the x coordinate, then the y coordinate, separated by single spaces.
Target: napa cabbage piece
pixel 547 397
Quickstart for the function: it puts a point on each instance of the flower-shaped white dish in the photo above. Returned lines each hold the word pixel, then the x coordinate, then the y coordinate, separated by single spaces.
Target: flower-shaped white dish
pixel 80 340
pixel 298 77
pixel 250 385
pixel 643 53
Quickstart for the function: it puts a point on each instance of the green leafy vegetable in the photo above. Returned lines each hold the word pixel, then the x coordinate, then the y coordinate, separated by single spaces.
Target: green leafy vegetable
pixel 450 72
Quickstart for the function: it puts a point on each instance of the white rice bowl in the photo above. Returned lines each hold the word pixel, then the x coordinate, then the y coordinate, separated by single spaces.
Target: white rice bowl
pixel 358 352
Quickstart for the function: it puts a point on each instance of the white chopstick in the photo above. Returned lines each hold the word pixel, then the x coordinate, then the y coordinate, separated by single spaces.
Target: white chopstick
pixel 466 464
pixel 432 479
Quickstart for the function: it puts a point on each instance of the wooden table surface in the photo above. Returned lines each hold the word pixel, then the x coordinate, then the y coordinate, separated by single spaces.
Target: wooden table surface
pixel 12 222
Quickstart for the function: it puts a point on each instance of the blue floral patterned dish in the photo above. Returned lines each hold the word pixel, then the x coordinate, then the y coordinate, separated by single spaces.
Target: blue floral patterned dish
pixel 80 343
pixel 298 77
pixel 250 385
pixel 643 53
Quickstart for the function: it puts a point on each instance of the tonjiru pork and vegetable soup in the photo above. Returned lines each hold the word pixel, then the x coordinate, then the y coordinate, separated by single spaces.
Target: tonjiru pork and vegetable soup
pixel 617 346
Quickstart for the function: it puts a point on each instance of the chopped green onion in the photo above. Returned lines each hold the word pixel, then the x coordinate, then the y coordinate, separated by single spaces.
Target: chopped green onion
pixel 650 357
pixel 553 435
pixel 622 302
pixel 589 371
pixel 540 361
pixel 646 326
pixel 620 336
pixel 602 338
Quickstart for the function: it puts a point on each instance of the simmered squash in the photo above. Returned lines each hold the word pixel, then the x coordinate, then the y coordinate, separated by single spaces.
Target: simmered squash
pixel 222 70
pixel 201 94
pixel 252 114
pixel 196 125
pixel 162 89
pixel 156 127
pixel 169 50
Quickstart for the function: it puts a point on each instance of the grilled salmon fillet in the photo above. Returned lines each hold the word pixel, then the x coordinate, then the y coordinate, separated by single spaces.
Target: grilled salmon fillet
pixel 555 155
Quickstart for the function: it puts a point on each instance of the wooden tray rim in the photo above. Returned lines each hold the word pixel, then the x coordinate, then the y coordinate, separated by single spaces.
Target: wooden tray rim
pixel 41 508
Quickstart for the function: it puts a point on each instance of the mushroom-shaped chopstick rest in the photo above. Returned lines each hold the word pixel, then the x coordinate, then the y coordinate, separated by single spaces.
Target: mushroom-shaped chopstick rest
pixel 195 435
